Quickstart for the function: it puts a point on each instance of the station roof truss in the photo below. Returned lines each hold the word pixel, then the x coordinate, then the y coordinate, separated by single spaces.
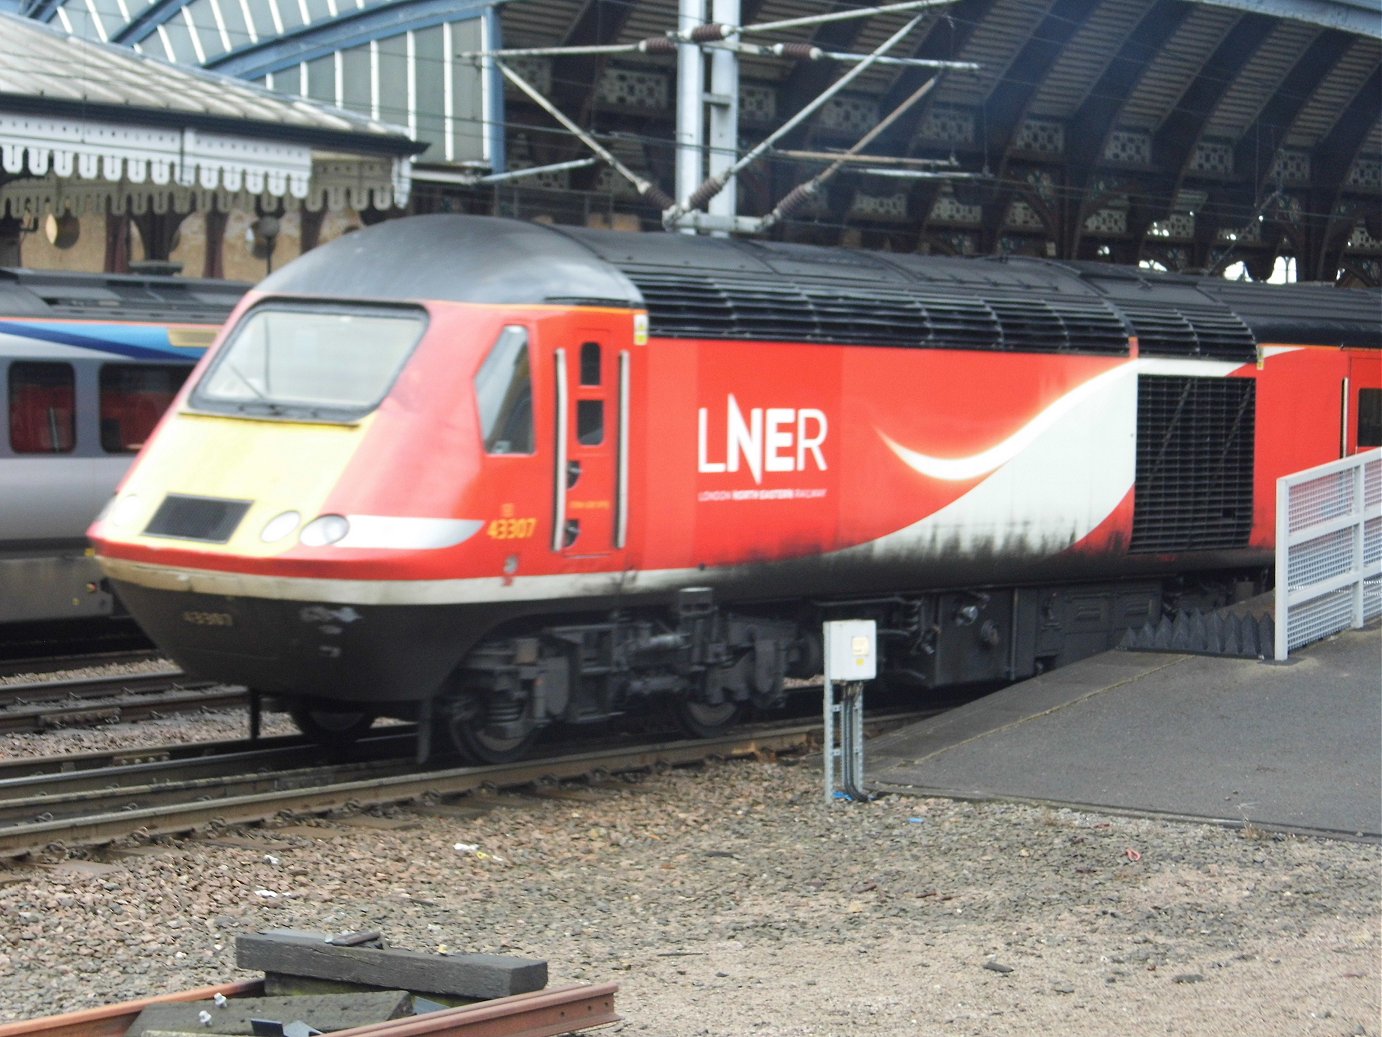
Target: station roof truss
pixel 1192 134
pixel 1189 134
pixel 90 127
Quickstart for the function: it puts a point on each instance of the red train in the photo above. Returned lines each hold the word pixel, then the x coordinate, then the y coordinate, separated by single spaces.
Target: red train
pixel 494 475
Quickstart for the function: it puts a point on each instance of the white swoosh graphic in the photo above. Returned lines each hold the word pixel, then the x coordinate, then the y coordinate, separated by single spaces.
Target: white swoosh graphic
pixel 1073 474
pixel 955 469
pixel 399 533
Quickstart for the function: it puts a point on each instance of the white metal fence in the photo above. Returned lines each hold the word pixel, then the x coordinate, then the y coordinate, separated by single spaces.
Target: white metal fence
pixel 1328 550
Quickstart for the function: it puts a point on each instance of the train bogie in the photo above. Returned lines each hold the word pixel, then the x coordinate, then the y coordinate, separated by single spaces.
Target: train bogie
pixel 566 477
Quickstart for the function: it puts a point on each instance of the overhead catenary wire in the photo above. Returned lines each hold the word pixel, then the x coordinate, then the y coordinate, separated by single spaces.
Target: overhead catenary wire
pixel 851 157
pixel 711 32
pixel 807 52
pixel 666 46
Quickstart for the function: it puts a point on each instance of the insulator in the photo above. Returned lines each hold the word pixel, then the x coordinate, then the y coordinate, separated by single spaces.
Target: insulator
pixel 711 33
pixel 657 45
pixel 797 51
pixel 658 196
pixel 796 198
pixel 705 192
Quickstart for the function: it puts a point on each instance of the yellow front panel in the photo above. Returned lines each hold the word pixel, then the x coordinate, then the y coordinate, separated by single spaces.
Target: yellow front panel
pixel 277 466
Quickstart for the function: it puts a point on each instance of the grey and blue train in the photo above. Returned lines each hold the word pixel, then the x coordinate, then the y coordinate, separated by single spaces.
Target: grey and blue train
pixel 88 364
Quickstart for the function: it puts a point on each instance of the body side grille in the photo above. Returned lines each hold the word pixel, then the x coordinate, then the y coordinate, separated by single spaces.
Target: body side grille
pixel 1194 463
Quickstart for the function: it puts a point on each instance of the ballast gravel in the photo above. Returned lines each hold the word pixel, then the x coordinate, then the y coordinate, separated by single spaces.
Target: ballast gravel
pixel 733 900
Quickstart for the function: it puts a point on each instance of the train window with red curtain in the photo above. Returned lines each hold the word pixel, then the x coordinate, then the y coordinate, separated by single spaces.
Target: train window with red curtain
pixel 133 398
pixel 1369 418
pixel 504 393
pixel 43 408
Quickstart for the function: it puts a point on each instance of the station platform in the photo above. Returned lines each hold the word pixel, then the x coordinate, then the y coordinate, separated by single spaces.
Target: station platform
pixel 1293 746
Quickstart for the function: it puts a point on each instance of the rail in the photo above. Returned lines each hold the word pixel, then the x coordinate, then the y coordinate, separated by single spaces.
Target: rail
pixel 113 1020
pixel 1328 550
pixel 181 818
pixel 542 1013
pixel 169 809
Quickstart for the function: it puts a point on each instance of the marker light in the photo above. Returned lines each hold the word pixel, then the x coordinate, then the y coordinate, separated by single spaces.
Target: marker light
pixel 280 526
pixel 324 530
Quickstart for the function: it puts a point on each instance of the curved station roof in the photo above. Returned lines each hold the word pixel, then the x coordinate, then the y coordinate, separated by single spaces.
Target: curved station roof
pixel 1190 134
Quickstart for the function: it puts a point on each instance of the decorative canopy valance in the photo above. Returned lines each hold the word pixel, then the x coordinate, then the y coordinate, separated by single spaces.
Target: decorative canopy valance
pixel 80 166
pixel 89 127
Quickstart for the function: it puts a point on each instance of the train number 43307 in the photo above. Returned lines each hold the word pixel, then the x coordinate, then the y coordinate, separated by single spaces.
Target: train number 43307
pixel 511 528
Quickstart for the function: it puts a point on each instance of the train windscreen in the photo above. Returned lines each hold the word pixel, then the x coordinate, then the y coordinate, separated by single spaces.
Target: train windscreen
pixel 310 364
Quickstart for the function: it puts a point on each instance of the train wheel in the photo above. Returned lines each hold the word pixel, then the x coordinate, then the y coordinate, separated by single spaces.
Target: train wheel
pixel 472 728
pixel 332 728
pixel 702 720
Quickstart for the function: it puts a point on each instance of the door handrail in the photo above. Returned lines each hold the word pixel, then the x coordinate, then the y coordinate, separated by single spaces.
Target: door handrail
pixel 559 497
pixel 621 490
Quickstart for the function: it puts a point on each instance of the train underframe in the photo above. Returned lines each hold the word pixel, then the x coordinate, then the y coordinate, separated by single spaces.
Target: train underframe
pixel 703 664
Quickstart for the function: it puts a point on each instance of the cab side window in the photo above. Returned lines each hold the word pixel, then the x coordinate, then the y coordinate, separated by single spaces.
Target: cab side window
pixel 504 395
pixel 590 363
pixel 43 408
pixel 590 414
pixel 1369 418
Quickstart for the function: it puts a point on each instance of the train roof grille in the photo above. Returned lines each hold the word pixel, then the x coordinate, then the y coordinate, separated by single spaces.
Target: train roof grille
pixel 1068 325
pixel 1191 331
pixel 696 304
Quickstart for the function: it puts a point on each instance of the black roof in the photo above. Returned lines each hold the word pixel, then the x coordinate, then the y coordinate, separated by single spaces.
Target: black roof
pixel 136 297
pixel 697 287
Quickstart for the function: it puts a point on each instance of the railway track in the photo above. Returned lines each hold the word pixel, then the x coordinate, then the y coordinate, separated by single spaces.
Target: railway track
pixel 53 813
pixel 71 645
pixel 33 706
pixel 54 663
pixel 111 760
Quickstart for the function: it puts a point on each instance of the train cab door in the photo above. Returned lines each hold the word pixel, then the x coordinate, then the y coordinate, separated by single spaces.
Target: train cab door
pixel 591 500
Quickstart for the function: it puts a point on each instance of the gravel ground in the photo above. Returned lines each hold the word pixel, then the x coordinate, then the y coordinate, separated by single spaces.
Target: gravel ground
pixel 733 901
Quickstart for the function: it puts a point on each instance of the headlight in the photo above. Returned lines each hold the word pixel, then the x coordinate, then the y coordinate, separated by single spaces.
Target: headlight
pixel 121 511
pixel 327 529
pixel 279 526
